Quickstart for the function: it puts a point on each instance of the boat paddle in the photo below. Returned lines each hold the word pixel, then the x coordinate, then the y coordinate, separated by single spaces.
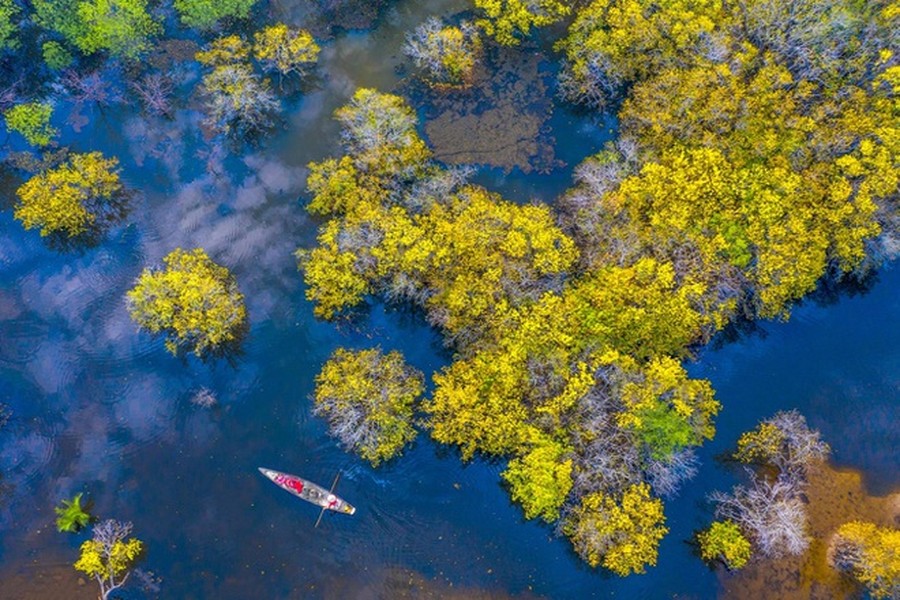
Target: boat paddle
pixel 331 491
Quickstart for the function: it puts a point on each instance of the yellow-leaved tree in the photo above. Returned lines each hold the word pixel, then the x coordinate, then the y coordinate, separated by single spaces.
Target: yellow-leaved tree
pixel 81 197
pixel 110 555
pixel 622 534
pixel 368 399
pixel 508 21
pixel 193 301
pixel 871 554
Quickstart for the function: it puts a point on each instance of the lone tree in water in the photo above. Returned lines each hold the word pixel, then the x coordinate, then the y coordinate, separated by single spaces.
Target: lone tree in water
pixel 110 556
pixel 368 399
pixel 448 55
pixel 82 196
pixel 32 121
pixel 193 301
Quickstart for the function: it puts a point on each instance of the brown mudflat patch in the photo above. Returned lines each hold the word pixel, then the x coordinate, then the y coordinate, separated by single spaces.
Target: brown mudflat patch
pixel 835 497
pixel 42 581
pixel 501 120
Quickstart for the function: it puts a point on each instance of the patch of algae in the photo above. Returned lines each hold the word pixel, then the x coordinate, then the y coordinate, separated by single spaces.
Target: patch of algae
pixel 500 120
pixel 835 497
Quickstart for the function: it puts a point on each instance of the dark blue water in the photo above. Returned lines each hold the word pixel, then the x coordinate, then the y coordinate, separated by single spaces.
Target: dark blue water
pixel 101 408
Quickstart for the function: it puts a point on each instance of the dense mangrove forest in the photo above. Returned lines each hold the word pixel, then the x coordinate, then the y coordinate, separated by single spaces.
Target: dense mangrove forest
pixel 564 299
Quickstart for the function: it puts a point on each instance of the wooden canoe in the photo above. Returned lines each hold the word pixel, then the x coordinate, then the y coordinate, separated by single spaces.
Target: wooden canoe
pixel 308 491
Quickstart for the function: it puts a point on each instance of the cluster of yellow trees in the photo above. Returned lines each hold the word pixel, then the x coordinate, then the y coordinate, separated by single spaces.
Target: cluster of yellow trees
pixel 756 156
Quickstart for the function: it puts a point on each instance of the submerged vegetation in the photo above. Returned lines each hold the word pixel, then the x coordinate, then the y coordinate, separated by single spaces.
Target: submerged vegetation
pixel 71 516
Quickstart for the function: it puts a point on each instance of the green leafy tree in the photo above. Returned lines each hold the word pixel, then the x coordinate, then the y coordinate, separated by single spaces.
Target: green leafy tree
pixel 110 556
pixel 82 196
pixel 540 480
pixel 56 55
pixel 123 28
pixel 285 49
pixel 71 516
pixel 9 10
pixel 667 410
pixel 871 554
pixel 368 398
pixel 725 541
pixel 32 121
pixel 193 301
pixel 621 534
pixel 205 14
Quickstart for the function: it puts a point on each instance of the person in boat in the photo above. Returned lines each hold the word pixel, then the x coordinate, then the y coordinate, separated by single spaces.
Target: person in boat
pixel 332 501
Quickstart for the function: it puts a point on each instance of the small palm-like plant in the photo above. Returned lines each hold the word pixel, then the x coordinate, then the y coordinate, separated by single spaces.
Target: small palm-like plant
pixel 71 516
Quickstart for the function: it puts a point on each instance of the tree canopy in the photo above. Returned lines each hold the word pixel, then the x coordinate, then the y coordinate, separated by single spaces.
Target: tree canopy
pixel 205 14
pixel 193 301
pixel 80 196
pixel 368 398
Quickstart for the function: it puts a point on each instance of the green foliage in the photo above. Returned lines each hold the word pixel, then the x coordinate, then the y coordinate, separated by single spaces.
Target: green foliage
pixel 56 56
pixel 32 121
pixel 508 21
pixel 368 399
pixel 205 14
pixel 622 534
pixel 724 541
pixel 193 301
pixel 284 49
pixel 871 554
pixel 540 480
pixel 9 10
pixel 70 516
pixel 123 28
pixel 81 195
pixel 667 410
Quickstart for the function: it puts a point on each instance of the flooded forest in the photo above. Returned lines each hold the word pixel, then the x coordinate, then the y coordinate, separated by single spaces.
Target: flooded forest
pixel 513 299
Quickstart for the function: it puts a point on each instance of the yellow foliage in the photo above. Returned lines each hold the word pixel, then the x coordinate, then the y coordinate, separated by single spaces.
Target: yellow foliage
pixel 226 50
pixel 666 409
pixel 97 561
pixel 508 21
pixel 874 556
pixel 541 478
pixel 622 534
pixel 368 398
pixel 72 198
pixel 285 49
pixel 724 541
pixel 477 405
pixel 192 300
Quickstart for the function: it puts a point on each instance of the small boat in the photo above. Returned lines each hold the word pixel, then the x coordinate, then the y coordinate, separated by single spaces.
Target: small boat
pixel 309 491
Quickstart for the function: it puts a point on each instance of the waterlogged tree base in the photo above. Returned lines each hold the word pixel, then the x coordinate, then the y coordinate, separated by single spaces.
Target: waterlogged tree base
pixel 835 496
